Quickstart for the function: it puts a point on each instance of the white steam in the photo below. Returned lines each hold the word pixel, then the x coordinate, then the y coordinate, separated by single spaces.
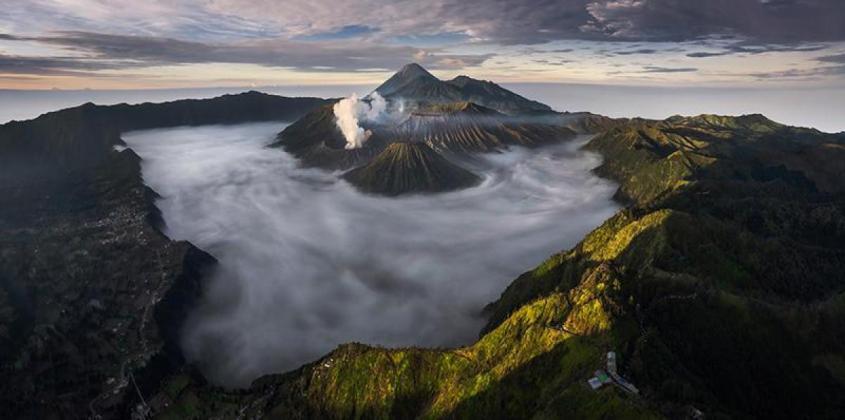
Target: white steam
pixel 307 262
pixel 349 112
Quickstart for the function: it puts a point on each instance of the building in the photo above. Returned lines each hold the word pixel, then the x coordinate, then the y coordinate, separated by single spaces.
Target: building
pixel 612 376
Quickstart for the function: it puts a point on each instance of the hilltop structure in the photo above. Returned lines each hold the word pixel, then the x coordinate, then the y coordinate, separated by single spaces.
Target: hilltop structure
pixel 611 377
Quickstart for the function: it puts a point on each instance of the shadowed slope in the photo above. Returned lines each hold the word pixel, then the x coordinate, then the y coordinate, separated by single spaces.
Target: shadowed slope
pixel 90 290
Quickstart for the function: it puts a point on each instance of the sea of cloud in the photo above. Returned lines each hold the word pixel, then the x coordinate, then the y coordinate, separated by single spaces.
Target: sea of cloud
pixel 307 262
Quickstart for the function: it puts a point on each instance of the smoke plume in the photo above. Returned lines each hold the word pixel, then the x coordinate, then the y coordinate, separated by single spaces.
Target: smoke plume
pixel 349 112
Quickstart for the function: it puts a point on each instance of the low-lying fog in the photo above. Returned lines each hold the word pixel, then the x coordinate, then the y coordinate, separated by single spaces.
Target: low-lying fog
pixel 307 262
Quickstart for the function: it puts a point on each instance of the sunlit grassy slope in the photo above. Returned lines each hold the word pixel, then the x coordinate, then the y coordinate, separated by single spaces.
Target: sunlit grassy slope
pixel 720 285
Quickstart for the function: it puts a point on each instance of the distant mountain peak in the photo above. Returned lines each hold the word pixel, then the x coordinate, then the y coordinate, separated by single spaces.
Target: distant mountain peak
pixel 413 82
pixel 414 70
pixel 464 80
pixel 753 122
pixel 492 95
pixel 410 74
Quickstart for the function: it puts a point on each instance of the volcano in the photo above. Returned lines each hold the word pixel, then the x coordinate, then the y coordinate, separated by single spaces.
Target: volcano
pixel 455 117
pixel 410 168
pixel 414 83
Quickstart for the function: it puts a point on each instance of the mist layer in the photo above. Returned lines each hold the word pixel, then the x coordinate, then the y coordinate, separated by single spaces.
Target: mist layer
pixel 307 262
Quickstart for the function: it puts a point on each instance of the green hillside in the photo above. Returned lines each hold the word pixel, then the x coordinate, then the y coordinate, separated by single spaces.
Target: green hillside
pixel 719 286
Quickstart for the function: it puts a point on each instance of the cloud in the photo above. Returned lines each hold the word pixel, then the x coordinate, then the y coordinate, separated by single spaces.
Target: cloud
pixel 682 20
pixel 346 32
pixel 707 54
pixel 524 22
pixel 637 51
pixel 538 21
pixel 144 51
pixel 801 74
pixel 356 35
pixel 55 66
pixel 307 262
pixel 553 62
pixel 838 58
pixel 658 69
pixel 750 48
pixel 164 18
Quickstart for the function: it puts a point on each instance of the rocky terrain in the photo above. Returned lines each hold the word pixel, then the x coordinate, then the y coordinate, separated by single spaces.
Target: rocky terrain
pixel 91 293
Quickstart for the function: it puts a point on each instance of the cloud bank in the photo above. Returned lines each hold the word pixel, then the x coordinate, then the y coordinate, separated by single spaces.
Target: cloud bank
pixel 99 51
pixel 307 263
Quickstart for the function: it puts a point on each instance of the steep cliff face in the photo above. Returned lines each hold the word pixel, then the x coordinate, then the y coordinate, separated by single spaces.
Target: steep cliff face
pixel 719 287
pixel 404 168
pixel 92 295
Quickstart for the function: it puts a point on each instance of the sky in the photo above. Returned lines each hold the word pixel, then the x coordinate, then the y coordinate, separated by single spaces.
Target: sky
pixel 130 44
